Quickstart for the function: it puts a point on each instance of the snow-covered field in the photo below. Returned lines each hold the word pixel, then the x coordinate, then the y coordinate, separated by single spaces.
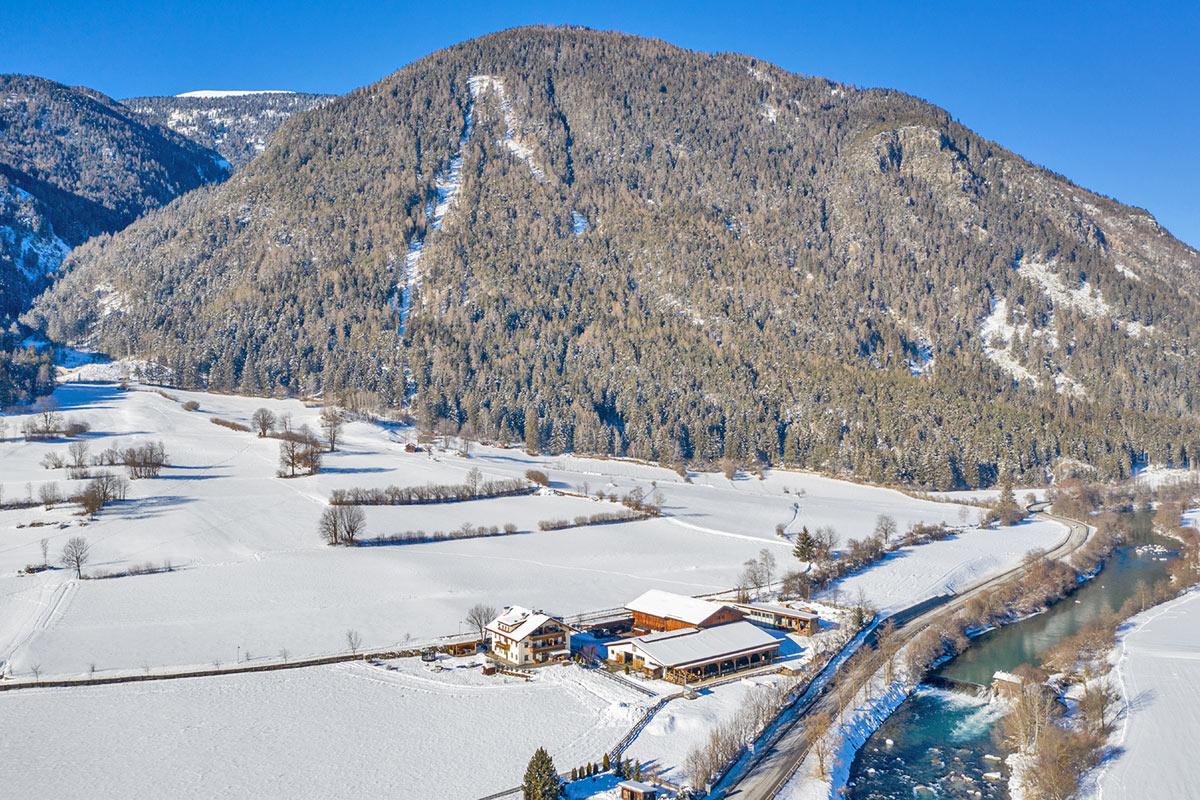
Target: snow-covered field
pixel 912 574
pixel 350 730
pixel 1158 667
pixel 252 578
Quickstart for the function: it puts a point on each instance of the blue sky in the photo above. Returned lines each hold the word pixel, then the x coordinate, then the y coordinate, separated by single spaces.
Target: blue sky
pixel 1107 94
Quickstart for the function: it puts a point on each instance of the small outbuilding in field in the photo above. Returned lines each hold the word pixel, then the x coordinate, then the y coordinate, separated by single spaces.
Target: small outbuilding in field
pixel 636 790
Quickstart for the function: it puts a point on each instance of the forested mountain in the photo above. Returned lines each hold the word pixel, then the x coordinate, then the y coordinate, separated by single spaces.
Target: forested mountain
pixel 73 164
pixel 597 242
pixel 236 125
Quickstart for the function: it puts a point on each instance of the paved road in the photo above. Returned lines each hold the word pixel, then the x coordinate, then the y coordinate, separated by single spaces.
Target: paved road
pixel 779 761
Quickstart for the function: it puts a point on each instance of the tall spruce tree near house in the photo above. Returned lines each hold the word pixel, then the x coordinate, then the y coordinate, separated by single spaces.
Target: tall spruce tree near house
pixel 541 779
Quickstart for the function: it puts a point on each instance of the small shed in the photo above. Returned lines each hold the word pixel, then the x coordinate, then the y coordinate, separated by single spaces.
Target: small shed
pixel 636 790
pixel 1006 684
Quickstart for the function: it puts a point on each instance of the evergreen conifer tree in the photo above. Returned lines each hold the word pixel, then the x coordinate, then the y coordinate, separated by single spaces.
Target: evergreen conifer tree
pixel 804 545
pixel 541 779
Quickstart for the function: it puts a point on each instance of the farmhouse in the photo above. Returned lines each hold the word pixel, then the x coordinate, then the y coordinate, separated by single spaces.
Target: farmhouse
pixel 690 654
pixel 657 610
pixel 521 637
pixel 800 620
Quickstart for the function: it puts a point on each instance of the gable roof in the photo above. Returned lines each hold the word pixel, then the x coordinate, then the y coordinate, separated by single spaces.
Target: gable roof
pixel 689 646
pixel 522 621
pixel 783 611
pixel 669 605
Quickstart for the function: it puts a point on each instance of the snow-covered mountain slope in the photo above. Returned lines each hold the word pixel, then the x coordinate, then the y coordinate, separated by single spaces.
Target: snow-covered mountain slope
pixel 237 124
pixel 74 164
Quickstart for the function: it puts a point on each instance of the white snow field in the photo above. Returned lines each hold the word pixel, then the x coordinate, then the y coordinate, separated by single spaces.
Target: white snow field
pixel 1158 667
pixel 253 576
pixel 350 730
pixel 912 574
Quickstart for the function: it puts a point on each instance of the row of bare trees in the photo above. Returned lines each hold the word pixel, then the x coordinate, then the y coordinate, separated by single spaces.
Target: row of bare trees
pixel 142 461
pixel 704 763
pixel 464 531
pixel 267 423
pixel 473 489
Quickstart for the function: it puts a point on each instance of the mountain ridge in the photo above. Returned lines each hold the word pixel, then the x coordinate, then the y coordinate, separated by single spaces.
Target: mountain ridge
pixel 235 124
pixel 74 164
pixel 673 255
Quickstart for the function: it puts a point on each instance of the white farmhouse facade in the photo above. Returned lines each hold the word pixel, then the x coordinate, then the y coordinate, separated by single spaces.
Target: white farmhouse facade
pixel 522 637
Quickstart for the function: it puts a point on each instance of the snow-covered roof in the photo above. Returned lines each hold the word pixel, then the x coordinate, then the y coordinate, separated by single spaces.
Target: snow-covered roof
pixel 637 786
pixel 669 605
pixel 517 622
pixel 687 647
pixel 799 613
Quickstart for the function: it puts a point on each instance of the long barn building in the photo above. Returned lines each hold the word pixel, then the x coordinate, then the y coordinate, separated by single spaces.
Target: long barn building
pixel 657 610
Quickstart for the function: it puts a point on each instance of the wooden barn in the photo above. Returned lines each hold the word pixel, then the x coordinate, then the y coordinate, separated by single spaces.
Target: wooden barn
pixel 657 610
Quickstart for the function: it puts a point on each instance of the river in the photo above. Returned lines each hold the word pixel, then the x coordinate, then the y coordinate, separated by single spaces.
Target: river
pixel 942 744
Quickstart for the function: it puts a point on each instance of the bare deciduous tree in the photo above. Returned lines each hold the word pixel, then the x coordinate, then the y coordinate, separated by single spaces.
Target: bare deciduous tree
pixel 78 452
pixel 145 460
pixel 342 524
pixel 49 495
pixel 766 562
pixel 885 527
pixel 353 641
pixel 819 728
pixel 332 422
pixel 299 453
pixel 479 616
pixel 45 552
pixel 264 421
pixel 75 554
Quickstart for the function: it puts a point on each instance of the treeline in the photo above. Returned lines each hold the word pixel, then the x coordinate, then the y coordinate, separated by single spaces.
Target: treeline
pixel 25 372
pixel 465 531
pixel 602 518
pixel 74 164
pixel 430 493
